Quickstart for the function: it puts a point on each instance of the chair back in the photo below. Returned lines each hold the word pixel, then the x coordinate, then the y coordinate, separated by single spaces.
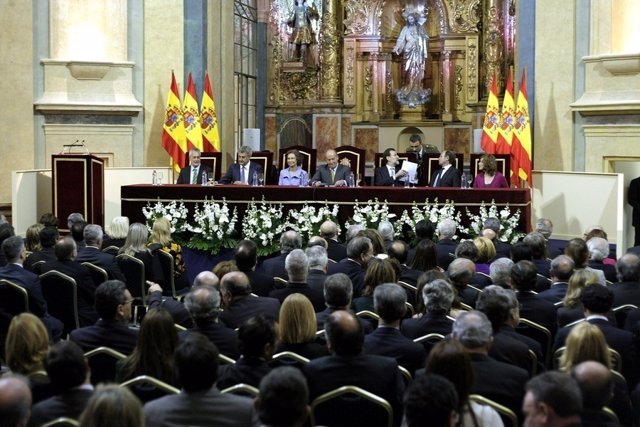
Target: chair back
pixel 503 164
pixel 309 157
pixel 350 406
pixel 509 418
pixel 242 389
pixel 621 313
pixel 265 160
pixel 98 274
pixel 288 358
pixel 356 156
pixel 62 422
pixel 148 388
pixel 13 297
pixel 36 266
pixel 539 333
pixel 61 294
pixel 430 165
pixel 113 250
pixel 167 265
pixel 102 361
pixel 429 340
pixel 133 270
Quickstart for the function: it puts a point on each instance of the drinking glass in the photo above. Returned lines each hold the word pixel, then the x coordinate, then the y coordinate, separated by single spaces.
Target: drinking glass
pixel 260 178
pixel 160 176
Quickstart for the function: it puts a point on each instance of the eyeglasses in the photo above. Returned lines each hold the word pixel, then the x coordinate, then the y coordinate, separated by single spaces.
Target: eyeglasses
pixel 128 301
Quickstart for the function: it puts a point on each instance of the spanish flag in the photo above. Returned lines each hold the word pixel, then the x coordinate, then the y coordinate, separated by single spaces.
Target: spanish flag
pixel 192 117
pixel 522 132
pixel 208 119
pixel 173 135
pixel 491 121
pixel 505 129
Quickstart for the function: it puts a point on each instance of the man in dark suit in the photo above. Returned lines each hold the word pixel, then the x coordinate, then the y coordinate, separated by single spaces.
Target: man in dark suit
pixel 348 366
pixel 297 266
pixel 318 261
pixel 66 251
pixel 438 297
pixel 200 402
pixel 336 250
pixel 389 302
pixel 552 399
pixel 498 381
pixel 633 196
pixel 390 174
pixel 15 253
pixel 538 245
pixel 239 304
pixel 420 150
pixel 332 174
pixel 193 173
pixel 48 237
pixel 448 175
pixel 243 172
pixel 15 400
pixel 283 398
pixel 446 246
pixel 503 249
pixel 113 304
pixel 627 289
pixel 93 236
pixel 246 256
pixel 69 374
pixel 461 272
pixel 544 226
pixel 561 270
pixel 532 307
pixel 398 250
pixel 203 304
pixel 359 253
pixel 274 267
pixel 338 293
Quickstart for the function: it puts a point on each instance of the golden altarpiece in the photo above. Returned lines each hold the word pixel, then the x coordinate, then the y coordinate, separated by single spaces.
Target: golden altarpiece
pixel 342 91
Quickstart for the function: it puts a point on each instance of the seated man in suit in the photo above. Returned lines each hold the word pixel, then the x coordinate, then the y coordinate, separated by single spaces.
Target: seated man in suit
pixel 283 398
pixel 69 373
pixel 92 253
pixel 438 296
pixel 338 293
pixel 48 237
pixel 336 250
pixel 297 266
pixel 200 402
pixel 318 262
pixel 431 400
pixel 553 397
pixel 246 256
pixel 532 307
pixel 446 246
pixel 15 400
pixel 390 174
pixel 448 175
pixel 331 174
pixel 274 267
pixel 239 305
pixel 626 290
pixel 243 172
pixel 561 270
pixel 359 253
pixel 193 173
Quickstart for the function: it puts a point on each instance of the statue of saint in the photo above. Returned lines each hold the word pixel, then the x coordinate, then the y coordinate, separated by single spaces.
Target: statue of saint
pixel 300 20
pixel 413 44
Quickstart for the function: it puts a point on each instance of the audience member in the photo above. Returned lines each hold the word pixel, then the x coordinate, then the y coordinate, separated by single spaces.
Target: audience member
pixel 423 279
pixel 379 271
pixel 503 249
pixel 579 253
pixel 246 257
pixel 538 245
pixel 15 401
pixel 275 267
pixel 49 219
pixel 136 246
pixel 116 233
pixel 283 397
pixel 74 218
pixel 48 237
pixel 93 239
pixel 298 327
pixel 500 272
pixel 238 303
pixel 431 400
pixel 446 245
pixel 627 288
pixel 224 267
pixel 552 399
pixel 596 386
pixel 200 402
pixel 572 309
pixel 352 231
pixel 338 294
pixel 297 266
pixel 486 254
pixel 385 228
pixel 359 253
pixel 112 405
pixel 532 306
pixel 438 296
pixel 318 262
pixel 460 273
pixel 77 233
pixel 32 238
pixel 561 270
pixel 544 226
pixel 424 229
pixel 598 252
pixel 161 240
pixel 6 231
pixel 335 249
pixel 426 256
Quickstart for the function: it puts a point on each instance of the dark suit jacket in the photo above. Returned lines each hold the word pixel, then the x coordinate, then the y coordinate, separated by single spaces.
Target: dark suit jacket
pixel 200 409
pixel 310 350
pixel 427 324
pixel 248 306
pixel 532 344
pixel 101 259
pixel 233 173
pixel 68 404
pixel 609 271
pixel 626 293
pixel 445 247
pixel 46 254
pixel 503 249
pixel 555 293
pixel 383 178
pixel 110 333
pixel 316 298
pixel 261 284
pixel 86 289
pixel 389 342
pixel 226 339
pixel 354 270
pixel 543 266
pixel 376 374
pixel 451 178
pixel 185 174
pixel 323 174
pixel 336 250
pixel 322 316
pixel 177 310
pixel 274 266
pixel 538 310
pixel 246 370
pixel 510 350
pixel 316 279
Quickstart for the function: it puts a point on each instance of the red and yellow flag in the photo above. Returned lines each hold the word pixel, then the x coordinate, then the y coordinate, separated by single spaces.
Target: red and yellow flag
pixel 173 135
pixel 491 121
pixel 208 119
pixel 192 116
pixel 522 132
pixel 505 129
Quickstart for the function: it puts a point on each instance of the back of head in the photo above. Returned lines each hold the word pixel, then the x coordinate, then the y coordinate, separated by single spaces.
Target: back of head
pixel 203 303
pixel 628 268
pixel 358 246
pixel 558 391
pixel 297 265
pixel 398 250
pixel 65 249
pixel 385 228
pixel 15 401
pixel 468 250
pixel 196 360
pixel 283 398
pixel 461 271
pixel 537 243
pixel 353 231
pixel 93 235
pixel 77 231
pixel 524 276
pixel 297 321
pixel 74 218
pixel 378 271
pixel 500 272
pixel 136 240
pixel 376 240
pixel 317 241
pixel 235 283
pixel 496 304
pixel 338 290
pixel 111 402
pixel 597 299
pixel 562 267
pixel 27 344
pixel 317 256
pixel 431 400
pixel 344 333
pixel 472 329
pixel 206 279
pixel 424 229
pixel 389 301
pixel 426 256
pixel 119 227
pixel 109 295
pixel 447 228
pixel 49 236
pixel 486 249
pixel 449 359
pixel 492 223
pixel 257 336
pixel 585 342
pixel 598 248
pixel 12 247
pixel 224 267
pixel 521 251
pixel 544 226
pixel 6 231
pixel 578 251
pixel 290 240
pixel 49 219
pixel 246 255
pixel 438 296
pixel 161 231
pixel 66 366
pixel 329 230
pixel 595 382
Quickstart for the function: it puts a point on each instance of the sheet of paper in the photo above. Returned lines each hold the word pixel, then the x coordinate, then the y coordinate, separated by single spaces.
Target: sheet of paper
pixel 412 169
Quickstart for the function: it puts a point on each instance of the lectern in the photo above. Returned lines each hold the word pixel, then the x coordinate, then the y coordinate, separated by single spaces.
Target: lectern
pixel 78 186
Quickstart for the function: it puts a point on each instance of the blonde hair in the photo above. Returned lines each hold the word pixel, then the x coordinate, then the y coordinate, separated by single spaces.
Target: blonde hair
pixel 112 406
pixel 486 249
pixel 161 231
pixel 27 344
pixel 136 240
pixel 297 320
pixel 32 238
pixel 579 280
pixel 585 342
pixel 119 227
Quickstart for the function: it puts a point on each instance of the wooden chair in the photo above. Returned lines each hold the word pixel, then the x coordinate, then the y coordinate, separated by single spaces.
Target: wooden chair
pixel 61 422
pixel 503 164
pixel 265 160
pixel 309 158
pixel 167 264
pixel 350 406
pixel 133 270
pixel 13 297
pixel 509 418
pixel 102 361
pixel 356 157
pixel 147 388
pixel 539 333
pixel 98 274
pixel 242 389
pixel 61 294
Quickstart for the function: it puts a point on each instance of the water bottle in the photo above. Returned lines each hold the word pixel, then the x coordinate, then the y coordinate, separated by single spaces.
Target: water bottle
pixel 154 178
pixel 304 179
pixel 255 179
pixel 463 181
pixel 407 180
pixel 205 180
pixel 352 180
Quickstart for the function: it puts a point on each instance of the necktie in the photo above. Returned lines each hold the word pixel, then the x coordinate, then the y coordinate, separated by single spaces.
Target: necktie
pixel 194 176
pixel 392 172
pixel 436 182
pixel 333 176
pixel 243 176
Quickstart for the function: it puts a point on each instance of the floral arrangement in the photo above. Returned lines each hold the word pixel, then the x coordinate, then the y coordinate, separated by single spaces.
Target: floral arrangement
pixel 370 215
pixel 264 223
pixel 508 222
pixel 308 219
pixel 175 212
pixel 213 227
pixel 433 213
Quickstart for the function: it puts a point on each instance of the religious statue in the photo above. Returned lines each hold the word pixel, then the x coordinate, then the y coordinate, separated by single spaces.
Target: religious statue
pixel 300 20
pixel 413 44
